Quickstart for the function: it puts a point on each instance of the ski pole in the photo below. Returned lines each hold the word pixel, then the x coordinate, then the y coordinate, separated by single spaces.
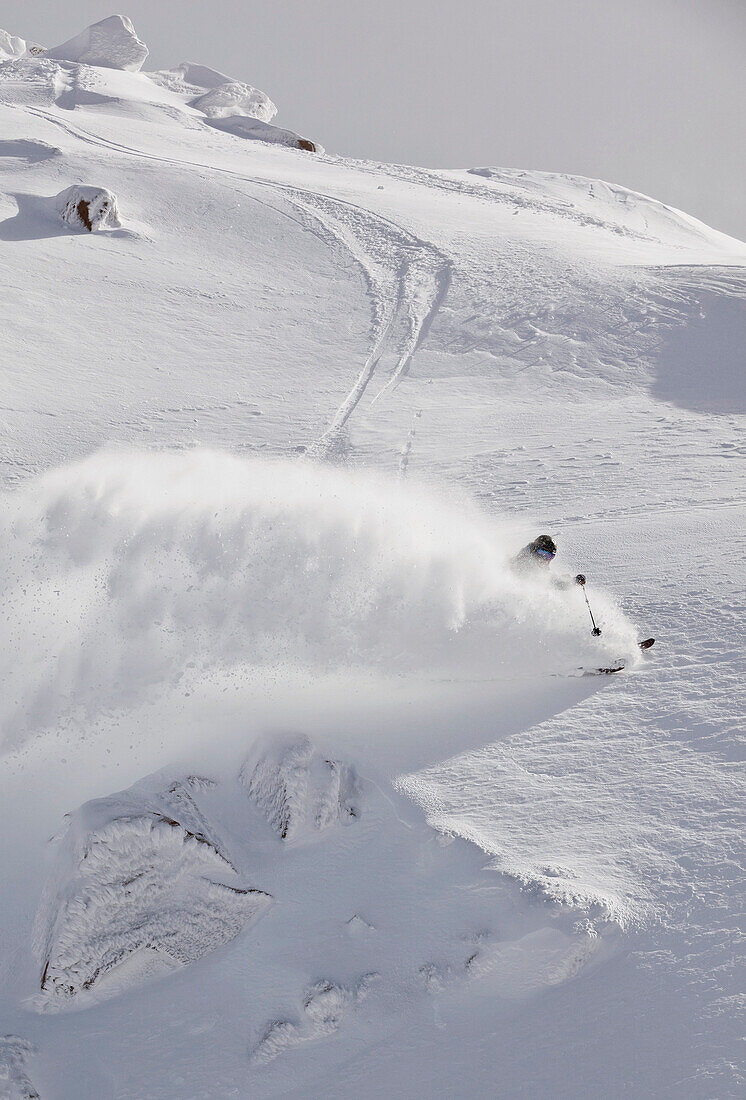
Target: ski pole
pixel 580 579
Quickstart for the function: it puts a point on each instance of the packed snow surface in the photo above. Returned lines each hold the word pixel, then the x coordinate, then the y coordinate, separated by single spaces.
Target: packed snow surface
pixel 305 790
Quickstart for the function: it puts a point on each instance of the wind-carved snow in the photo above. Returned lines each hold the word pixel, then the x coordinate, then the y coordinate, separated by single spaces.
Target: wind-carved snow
pixel 111 43
pixel 11 46
pixel 230 105
pixel 235 98
pixel 325 1007
pixel 90 208
pixel 135 894
pixel 15 1083
pixel 298 790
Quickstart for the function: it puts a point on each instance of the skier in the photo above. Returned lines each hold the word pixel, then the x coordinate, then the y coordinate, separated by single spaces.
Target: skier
pixel 539 555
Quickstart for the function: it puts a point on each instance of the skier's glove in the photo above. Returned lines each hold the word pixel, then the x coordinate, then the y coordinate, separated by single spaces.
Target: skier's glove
pixel 580 579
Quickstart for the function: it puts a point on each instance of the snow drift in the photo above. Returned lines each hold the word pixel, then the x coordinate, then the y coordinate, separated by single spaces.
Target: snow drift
pixel 256 130
pixel 130 574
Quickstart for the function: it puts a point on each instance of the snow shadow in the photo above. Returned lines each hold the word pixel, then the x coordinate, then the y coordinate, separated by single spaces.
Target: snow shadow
pixel 29 151
pixel 701 364
pixel 35 220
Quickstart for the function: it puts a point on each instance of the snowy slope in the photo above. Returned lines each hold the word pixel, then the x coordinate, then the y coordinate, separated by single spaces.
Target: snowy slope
pixel 332 811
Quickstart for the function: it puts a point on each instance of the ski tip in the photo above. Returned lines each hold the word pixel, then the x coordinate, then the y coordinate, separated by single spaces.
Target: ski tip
pixel 647 643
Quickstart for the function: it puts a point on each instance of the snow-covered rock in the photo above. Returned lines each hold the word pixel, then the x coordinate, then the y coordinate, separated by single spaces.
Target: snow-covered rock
pixel 15 1083
pixel 236 99
pixel 256 130
pixel 111 43
pixel 299 790
pixel 325 1006
pixel 136 893
pixel 90 208
pixel 11 46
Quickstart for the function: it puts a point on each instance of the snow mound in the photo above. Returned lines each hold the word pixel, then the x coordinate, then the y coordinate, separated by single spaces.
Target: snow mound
pixel 15 1083
pixel 235 99
pixel 130 575
pixel 111 43
pixel 325 1007
pixel 255 130
pixel 136 893
pixel 300 791
pixel 90 208
pixel 539 960
pixel 11 46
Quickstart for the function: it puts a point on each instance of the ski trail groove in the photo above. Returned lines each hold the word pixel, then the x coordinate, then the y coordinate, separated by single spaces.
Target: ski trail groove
pixel 407 278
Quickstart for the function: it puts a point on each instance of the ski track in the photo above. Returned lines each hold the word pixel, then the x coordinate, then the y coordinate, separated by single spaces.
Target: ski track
pixel 407 278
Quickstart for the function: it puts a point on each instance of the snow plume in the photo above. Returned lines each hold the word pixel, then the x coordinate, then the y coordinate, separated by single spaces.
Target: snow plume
pixel 131 574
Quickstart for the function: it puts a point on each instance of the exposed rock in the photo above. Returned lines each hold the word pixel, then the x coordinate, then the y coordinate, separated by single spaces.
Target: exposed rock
pixel 235 99
pixel 112 43
pixel 91 208
pixel 255 130
pixel 11 47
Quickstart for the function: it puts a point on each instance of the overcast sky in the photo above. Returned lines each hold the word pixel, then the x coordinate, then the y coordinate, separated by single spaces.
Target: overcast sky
pixel 650 94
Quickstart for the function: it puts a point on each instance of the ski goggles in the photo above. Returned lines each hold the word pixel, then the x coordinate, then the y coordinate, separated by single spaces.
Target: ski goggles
pixel 545 555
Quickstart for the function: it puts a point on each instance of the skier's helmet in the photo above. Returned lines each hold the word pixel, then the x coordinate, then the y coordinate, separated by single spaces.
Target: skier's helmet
pixel 543 548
